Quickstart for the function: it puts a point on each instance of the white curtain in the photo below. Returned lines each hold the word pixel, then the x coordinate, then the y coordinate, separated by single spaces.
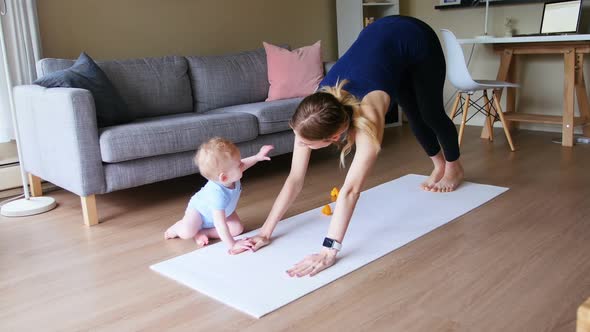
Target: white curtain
pixel 23 48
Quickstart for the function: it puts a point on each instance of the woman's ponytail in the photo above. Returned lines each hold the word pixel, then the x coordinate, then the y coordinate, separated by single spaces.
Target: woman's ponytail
pixel 357 122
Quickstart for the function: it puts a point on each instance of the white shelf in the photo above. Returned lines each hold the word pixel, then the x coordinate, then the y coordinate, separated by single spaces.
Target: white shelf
pixel 379 4
pixel 524 39
pixel 350 18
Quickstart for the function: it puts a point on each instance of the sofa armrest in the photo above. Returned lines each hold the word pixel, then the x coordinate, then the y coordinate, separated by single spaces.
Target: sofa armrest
pixel 59 137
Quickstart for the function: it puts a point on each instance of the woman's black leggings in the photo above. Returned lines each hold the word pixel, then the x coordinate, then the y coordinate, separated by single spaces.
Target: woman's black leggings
pixel 421 97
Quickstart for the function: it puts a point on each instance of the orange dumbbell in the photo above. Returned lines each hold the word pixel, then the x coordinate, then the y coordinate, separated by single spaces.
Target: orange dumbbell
pixel 327 210
pixel 334 194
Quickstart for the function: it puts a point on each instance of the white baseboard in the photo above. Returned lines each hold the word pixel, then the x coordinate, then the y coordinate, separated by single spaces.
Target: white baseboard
pixel 479 121
pixel 10 177
pixel 11 185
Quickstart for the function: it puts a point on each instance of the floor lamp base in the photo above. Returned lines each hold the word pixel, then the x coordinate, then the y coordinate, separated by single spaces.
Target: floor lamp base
pixel 27 207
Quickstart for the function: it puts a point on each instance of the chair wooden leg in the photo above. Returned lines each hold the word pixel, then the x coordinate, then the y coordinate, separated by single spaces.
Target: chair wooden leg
pixel 489 117
pixel 89 210
pixel 464 118
pixel 35 185
pixel 504 125
pixel 455 105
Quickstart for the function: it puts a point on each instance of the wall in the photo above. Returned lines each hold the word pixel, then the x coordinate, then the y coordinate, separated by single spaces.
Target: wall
pixel 115 29
pixel 111 29
pixel 119 29
pixel 541 76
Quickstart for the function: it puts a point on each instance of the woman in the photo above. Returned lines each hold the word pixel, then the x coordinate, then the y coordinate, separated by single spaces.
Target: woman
pixel 395 58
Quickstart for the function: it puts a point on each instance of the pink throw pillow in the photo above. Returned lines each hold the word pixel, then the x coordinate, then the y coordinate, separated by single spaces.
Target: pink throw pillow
pixel 294 73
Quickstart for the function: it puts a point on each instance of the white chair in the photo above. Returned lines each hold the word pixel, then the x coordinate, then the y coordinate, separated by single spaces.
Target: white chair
pixel 459 76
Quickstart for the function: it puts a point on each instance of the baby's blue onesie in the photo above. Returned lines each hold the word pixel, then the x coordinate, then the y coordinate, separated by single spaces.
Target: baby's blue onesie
pixel 214 196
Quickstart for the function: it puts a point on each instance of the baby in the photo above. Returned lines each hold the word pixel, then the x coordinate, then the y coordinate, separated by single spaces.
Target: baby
pixel 211 211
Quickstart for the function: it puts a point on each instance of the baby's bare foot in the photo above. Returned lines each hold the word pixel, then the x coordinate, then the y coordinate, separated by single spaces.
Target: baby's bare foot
pixel 452 178
pixel 434 177
pixel 170 234
pixel 201 239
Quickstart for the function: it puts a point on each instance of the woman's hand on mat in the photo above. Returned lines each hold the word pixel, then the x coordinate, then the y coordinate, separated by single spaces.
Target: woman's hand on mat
pixel 240 246
pixel 314 264
pixel 259 241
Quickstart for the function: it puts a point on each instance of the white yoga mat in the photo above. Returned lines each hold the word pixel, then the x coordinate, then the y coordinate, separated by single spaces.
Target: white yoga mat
pixel 386 217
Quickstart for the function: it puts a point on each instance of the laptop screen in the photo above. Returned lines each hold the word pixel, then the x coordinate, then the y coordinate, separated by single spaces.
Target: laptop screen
pixel 561 16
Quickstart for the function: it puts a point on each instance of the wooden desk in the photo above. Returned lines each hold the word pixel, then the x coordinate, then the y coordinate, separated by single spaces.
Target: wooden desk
pixel 573 48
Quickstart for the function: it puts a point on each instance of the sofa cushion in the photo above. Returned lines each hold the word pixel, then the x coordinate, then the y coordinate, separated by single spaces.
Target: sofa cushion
pixel 85 74
pixel 292 74
pixel 142 171
pixel 273 116
pixel 171 134
pixel 233 79
pixel 149 86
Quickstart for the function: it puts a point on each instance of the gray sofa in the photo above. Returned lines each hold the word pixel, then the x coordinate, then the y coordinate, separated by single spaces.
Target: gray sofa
pixel 179 102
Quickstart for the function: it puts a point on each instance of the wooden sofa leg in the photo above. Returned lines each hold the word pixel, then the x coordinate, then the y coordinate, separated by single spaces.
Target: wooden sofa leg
pixel 89 210
pixel 35 185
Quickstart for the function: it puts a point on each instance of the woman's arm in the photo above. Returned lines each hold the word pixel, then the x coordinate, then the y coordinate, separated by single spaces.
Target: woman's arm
pixel 364 159
pixel 290 190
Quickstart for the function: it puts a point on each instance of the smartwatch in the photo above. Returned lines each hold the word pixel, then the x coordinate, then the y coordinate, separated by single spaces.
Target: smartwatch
pixel 332 244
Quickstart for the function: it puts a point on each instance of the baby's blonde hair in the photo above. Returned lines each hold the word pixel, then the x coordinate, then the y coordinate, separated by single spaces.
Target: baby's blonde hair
pixel 214 155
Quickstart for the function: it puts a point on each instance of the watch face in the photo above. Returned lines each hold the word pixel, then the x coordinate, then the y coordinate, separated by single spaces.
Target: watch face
pixel 328 242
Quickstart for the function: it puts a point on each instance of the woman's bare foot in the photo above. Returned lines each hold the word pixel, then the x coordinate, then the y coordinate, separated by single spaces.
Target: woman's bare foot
pixel 170 233
pixel 436 175
pixel 439 171
pixel 452 178
pixel 201 239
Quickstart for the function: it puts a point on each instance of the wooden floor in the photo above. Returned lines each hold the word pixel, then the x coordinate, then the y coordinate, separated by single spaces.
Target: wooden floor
pixel 518 263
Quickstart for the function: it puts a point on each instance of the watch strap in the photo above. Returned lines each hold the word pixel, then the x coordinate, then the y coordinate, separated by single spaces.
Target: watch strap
pixel 332 244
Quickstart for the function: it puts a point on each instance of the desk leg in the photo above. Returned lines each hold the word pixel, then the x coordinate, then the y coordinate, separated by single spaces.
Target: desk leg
pixel 511 93
pixel 503 72
pixel 581 94
pixel 568 98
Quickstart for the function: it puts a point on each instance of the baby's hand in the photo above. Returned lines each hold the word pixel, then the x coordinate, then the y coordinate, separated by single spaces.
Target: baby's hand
pixel 240 246
pixel 261 155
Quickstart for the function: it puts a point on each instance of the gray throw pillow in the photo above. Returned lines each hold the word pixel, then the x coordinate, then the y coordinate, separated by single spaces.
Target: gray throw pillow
pixel 86 74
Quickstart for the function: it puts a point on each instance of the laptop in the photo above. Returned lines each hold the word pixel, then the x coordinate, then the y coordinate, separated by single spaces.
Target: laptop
pixel 559 18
